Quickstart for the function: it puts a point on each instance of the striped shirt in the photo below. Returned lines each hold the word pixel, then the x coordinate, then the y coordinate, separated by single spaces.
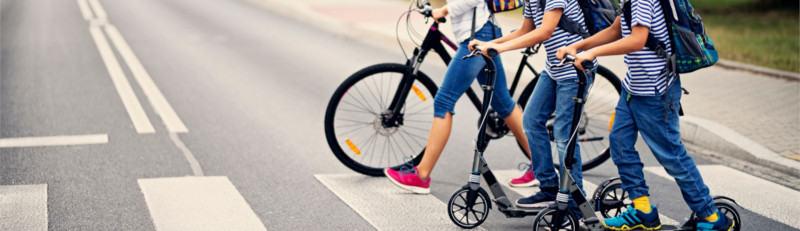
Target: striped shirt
pixel 560 37
pixel 645 77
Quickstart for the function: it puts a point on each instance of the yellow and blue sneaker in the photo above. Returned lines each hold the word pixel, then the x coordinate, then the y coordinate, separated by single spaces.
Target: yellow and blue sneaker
pixel 634 219
pixel 723 223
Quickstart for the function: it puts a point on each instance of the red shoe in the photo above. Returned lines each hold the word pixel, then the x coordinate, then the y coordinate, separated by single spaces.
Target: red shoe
pixel 409 180
pixel 526 180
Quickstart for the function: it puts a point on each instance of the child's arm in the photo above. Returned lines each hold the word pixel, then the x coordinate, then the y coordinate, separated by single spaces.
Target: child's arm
pixel 632 43
pixel 538 35
pixel 527 26
pixel 608 35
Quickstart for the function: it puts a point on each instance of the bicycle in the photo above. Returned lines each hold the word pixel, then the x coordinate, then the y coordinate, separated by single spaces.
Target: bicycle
pixel 379 114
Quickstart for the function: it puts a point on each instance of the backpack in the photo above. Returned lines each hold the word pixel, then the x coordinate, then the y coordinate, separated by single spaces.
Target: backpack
pixel 692 49
pixel 497 6
pixel 597 14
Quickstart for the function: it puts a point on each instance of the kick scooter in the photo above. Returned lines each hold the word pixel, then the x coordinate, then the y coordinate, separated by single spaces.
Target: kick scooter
pixel 548 218
pixel 469 206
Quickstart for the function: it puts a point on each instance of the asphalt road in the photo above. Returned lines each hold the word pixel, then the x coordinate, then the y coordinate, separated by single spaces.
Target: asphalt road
pixel 249 85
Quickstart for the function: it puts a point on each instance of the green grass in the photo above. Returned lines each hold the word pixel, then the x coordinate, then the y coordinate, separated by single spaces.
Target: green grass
pixel 759 32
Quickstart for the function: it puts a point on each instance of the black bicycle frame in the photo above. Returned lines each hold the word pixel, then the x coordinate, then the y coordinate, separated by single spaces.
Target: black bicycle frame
pixel 434 40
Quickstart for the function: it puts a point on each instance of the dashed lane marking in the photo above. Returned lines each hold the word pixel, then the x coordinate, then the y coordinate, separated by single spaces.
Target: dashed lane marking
pixel 23 207
pixel 53 141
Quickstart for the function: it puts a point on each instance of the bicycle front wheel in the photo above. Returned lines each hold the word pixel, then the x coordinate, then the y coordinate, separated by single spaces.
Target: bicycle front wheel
pixel 595 124
pixel 354 124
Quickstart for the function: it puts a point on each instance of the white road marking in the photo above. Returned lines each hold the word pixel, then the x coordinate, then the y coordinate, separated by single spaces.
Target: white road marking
pixel 504 176
pixel 85 11
pixel 387 207
pixel 98 10
pixel 752 193
pixel 53 141
pixel 197 203
pixel 157 100
pixel 23 207
pixel 187 153
pixel 129 100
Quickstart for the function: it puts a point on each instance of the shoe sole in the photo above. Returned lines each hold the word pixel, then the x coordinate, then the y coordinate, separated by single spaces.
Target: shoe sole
pixel 413 189
pixel 626 228
pixel 525 185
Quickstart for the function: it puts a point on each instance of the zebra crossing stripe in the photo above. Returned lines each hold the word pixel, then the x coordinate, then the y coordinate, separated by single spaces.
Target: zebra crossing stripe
pixel 387 207
pixel 197 203
pixel 23 207
pixel 504 176
pixel 752 193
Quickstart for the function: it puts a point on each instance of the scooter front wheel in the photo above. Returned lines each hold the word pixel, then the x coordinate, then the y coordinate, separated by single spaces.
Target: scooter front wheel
pixel 544 221
pixel 469 208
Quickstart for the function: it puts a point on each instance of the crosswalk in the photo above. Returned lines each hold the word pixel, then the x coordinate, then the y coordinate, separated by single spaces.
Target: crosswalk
pixel 378 201
pixel 214 203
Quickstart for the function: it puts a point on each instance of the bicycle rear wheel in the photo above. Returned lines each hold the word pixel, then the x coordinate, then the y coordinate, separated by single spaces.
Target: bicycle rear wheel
pixel 353 120
pixel 598 115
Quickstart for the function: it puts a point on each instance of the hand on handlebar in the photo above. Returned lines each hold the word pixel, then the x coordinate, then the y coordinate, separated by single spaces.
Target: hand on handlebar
pixel 488 49
pixel 474 43
pixel 439 14
pixel 582 58
pixel 564 51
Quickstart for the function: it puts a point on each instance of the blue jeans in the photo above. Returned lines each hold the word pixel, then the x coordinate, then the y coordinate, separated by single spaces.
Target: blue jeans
pixel 656 119
pixel 460 74
pixel 551 96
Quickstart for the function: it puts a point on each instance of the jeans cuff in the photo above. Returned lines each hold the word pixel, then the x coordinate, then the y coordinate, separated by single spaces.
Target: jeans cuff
pixel 637 192
pixel 707 210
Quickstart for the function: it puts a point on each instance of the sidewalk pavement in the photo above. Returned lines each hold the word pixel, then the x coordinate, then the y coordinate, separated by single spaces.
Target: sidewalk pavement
pixel 732 112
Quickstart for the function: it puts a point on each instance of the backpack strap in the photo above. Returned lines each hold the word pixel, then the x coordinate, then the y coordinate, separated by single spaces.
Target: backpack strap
pixel 653 43
pixel 566 23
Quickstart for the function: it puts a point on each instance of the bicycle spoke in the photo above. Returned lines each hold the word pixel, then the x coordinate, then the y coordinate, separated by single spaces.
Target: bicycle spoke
pixel 361 105
pixel 378 98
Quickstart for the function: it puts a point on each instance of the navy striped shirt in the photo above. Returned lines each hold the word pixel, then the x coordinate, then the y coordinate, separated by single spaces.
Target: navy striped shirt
pixel 645 76
pixel 560 38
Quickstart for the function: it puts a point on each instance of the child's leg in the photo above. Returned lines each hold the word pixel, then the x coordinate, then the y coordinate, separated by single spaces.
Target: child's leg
pixel 562 124
pixel 534 122
pixel 623 136
pixel 662 135
pixel 504 105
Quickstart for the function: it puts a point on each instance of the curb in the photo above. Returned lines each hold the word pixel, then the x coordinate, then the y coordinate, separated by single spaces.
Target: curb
pixel 759 70
pixel 697 131
pixel 711 135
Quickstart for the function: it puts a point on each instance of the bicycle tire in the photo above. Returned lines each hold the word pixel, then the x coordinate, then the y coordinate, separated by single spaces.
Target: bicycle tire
pixel 380 76
pixel 602 110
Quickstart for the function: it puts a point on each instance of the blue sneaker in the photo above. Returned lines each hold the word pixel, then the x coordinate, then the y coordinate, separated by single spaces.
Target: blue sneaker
pixel 539 200
pixel 723 223
pixel 634 219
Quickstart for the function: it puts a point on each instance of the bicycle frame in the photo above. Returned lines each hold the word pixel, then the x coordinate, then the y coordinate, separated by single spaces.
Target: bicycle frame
pixel 435 40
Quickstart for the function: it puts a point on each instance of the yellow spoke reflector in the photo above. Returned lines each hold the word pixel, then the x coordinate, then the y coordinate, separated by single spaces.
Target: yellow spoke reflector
pixel 611 122
pixel 419 93
pixel 352 146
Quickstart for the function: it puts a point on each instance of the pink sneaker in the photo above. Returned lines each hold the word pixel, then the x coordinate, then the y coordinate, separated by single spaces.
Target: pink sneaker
pixel 526 180
pixel 409 180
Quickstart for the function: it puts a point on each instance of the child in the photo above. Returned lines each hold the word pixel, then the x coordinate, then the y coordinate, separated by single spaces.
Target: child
pixel 648 105
pixel 553 92
pixel 458 78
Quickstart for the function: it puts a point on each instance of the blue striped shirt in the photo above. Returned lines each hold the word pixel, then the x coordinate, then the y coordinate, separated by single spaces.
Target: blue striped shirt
pixel 560 38
pixel 645 77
